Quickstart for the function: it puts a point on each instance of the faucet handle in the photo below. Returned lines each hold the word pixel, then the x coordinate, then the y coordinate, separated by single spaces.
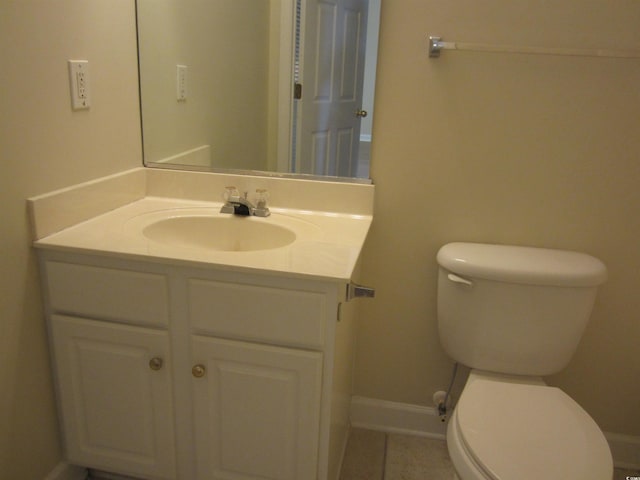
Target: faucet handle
pixel 229 192
pixel 261 197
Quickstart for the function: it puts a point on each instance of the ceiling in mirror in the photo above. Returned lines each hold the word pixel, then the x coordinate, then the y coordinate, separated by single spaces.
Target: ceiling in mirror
pixel 282 86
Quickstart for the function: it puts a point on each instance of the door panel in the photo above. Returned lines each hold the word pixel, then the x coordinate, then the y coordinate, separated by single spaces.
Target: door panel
pixel 116 410
pixel 256 411
pixel 333 74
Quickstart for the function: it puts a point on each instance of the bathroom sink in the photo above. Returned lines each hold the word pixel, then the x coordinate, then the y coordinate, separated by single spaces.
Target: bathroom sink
pixel 298 242
pixel 227 233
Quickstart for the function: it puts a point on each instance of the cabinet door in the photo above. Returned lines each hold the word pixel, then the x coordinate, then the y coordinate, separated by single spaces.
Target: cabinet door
pixel 257 410
pixel 115 396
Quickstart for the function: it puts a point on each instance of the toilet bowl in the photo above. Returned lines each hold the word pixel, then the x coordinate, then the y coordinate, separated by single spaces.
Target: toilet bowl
pixel 507 428
pixel 513 315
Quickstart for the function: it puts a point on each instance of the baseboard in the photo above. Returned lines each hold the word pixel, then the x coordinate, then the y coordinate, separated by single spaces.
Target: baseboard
pixel 625 450
pixel 100 475
pixel 64 471
pixel 199 157
pixel 409 419
pixel 396 417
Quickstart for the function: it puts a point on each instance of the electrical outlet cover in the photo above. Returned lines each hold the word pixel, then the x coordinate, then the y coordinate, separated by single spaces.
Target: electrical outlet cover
pixel 79 84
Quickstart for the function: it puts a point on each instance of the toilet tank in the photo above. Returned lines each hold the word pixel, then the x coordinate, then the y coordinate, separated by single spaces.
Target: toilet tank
pixel 514 310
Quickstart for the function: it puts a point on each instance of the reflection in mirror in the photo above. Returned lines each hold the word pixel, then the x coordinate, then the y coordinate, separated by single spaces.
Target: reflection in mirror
pixel 220 81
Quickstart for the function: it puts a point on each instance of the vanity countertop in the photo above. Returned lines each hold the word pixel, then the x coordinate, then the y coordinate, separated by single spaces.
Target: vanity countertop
pixel 327 246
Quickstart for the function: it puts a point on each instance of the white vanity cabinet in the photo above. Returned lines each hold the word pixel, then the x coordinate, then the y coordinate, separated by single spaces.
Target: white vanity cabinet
pixel 176 371
pixel 112 365
pixel 115 395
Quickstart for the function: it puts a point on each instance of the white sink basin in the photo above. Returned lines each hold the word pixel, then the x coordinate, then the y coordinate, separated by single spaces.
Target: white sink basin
pixel 292 242
pixel 227 233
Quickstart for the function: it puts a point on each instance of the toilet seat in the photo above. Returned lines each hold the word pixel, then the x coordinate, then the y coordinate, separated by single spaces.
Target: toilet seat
pixel 522 429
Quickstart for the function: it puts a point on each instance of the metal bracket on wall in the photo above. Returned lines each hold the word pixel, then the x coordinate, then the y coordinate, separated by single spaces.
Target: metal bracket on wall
pixel 359 291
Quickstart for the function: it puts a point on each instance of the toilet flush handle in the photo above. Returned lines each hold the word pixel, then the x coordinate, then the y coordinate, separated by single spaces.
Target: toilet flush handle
pixel 455 278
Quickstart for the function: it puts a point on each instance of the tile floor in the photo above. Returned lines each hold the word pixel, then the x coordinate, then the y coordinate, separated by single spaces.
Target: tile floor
pixel 375 455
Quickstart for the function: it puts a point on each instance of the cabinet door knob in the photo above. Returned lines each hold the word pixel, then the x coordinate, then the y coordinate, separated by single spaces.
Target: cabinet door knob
pixel 198 371
pixel 155 363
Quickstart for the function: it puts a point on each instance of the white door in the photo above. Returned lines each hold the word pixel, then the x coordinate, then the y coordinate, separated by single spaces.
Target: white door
pixel 332 64
pixel 115 396
pixel 256 411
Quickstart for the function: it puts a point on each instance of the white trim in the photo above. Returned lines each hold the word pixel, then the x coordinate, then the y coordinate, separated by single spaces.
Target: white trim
pixel 410 419
pixel 285 84
pixel 101 475
pixel 64 471
pixel 625 450
pixel 396 417
pixel 197 157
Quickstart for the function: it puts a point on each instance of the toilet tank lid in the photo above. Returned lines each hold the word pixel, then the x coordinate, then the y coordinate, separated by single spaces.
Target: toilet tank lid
pixel 517 264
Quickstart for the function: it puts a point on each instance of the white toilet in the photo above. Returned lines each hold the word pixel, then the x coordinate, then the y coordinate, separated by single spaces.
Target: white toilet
pixel 514 314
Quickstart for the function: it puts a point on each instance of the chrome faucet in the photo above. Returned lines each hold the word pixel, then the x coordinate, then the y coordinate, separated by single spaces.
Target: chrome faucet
pixel 237 204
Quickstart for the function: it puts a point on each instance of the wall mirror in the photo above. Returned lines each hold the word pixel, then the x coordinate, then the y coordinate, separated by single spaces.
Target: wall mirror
pixel 280 87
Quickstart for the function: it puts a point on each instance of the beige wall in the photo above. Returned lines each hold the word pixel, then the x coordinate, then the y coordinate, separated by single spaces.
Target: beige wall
pixel 45 146
pixel 535 150
pixel 481 147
